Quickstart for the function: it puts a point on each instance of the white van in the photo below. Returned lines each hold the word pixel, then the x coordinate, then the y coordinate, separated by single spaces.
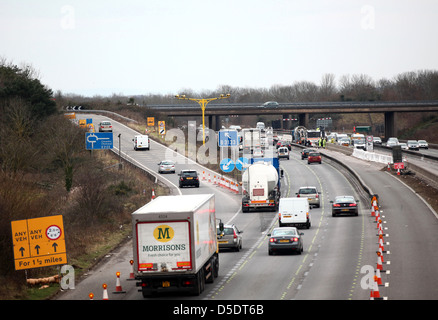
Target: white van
pixel 294 212
pixel 260 125
pixel 141 142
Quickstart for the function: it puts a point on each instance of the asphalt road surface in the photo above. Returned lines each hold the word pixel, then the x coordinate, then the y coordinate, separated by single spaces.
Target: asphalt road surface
pixel 335 248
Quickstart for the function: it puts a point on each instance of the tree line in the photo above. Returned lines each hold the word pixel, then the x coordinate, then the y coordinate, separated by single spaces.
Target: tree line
pixel 413 85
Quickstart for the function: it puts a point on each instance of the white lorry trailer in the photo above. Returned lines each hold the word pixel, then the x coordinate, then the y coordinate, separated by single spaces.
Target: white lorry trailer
pixel 175 245
pixel 261 187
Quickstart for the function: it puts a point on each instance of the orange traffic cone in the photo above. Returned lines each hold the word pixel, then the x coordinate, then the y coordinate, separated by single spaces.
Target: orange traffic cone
pixel 377 214
pixel 379 261
pixel 381 254
pixel 375 294
pixel 131 274
pixel 379 278
pixel 381 243
pixel 91 295
pixel 153 194
pixel 118 286
pixel 379 225
pixel 105 292
pixel 373 213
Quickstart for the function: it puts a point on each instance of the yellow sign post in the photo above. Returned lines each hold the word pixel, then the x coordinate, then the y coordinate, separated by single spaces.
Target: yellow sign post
pixel 39 242
pixel 151 121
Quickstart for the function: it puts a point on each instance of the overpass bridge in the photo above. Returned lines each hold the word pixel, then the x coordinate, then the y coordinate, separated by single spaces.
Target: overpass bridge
pixel 390 109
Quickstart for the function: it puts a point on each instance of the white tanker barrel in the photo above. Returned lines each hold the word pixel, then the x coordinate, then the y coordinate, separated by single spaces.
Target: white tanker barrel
pixel 260 171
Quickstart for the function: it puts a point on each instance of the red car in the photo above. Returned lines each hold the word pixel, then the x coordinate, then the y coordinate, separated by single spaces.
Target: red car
pixel 314 157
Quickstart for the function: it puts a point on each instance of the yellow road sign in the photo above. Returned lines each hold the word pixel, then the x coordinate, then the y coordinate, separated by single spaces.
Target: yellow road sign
pixel 161 127
pixel 151 121
pixel 39 242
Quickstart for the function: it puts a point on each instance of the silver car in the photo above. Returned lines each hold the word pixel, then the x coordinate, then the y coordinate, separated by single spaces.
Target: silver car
pixel 166 166
pixel 423 144
pixel 105 126
pixel 230 237
pixel 413 145
pixel 286 239
pixel 311 193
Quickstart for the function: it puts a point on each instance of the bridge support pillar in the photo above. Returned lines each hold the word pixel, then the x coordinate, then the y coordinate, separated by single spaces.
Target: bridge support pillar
pixel 390 124
pixel 303 119
pixel 214 122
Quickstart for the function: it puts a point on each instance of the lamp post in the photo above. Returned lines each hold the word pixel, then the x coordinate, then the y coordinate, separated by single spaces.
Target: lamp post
pixel 203 103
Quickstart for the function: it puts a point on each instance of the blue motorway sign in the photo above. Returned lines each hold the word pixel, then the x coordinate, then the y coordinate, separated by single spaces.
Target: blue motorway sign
pixel 227 165
pixel 242 163
pixel 98 140
pixel 228 138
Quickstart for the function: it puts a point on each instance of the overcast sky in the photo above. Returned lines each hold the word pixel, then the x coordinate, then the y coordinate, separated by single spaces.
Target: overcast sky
pixel 165 46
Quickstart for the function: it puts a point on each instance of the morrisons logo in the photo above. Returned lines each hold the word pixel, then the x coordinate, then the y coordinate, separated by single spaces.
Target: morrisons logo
pixel 164 233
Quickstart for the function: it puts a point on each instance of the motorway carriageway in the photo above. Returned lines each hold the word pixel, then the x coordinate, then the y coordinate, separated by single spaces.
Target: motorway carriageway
pixel 335 248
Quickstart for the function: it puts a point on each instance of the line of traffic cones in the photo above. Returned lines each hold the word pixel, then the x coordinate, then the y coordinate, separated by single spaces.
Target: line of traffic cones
pixel 378 219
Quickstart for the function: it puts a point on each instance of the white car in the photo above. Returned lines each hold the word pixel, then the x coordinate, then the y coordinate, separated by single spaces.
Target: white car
pixel 423 144
pixel 166 166
pixel 413 145
pixel 403 145
pixel 392 142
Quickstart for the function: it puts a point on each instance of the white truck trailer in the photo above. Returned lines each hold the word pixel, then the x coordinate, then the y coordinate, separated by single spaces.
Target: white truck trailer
pixel 261 189
pixel 175 244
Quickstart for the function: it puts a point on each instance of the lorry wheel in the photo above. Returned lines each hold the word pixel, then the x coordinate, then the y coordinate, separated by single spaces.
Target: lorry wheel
pixel 216 267
pixel 200 283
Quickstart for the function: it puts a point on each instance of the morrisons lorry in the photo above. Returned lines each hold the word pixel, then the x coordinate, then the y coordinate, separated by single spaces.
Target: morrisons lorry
pixel 175 245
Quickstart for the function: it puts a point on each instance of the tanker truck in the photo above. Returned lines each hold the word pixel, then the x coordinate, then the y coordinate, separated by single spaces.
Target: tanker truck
pixel 261 187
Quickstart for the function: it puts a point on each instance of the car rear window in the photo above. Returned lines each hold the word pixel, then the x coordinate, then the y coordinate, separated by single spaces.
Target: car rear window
pixel 189 173
pixel 307 191
pixel 344 199
pixel 314 154
pixel 279 232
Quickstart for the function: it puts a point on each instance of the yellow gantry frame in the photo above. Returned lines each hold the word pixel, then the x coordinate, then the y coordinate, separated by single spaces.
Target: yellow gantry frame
pixel 203 103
